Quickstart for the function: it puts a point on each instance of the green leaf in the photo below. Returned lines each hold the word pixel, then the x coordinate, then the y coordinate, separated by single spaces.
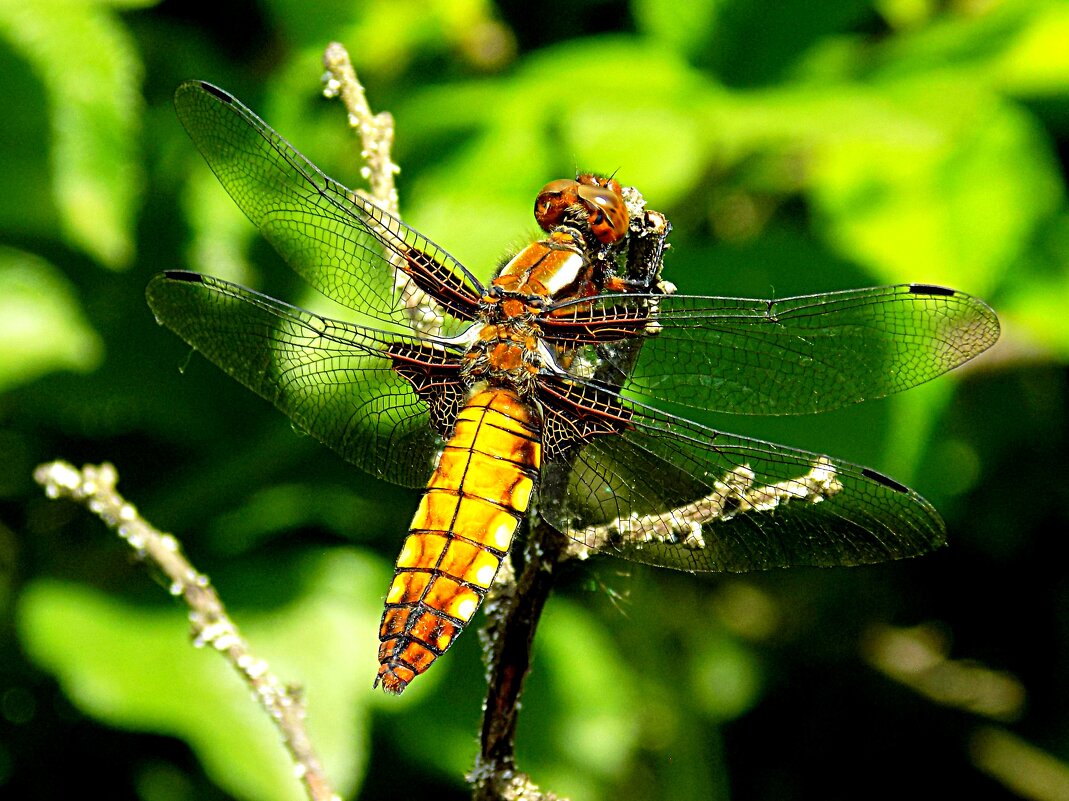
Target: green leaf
pixel 726 675
pixel 220 233
pixel 42 326
pixel 592 729
pixel 1037 62
pixel 949 194
pixel 1016 46
pixel 513 134
pixel 134 668
pixel 1035 308
pixel 387 35
pixel 686 27
pixel 91 74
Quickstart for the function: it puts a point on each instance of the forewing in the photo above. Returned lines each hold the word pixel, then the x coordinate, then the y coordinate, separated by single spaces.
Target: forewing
pixel 676 494
pixel 333 379
pixel 792 356
pixel 340 243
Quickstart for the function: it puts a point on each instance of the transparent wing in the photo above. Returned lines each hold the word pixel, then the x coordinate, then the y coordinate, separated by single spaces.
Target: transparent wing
pixel 676 494
pixel 791 356
pixel 335 380
pixel 343 245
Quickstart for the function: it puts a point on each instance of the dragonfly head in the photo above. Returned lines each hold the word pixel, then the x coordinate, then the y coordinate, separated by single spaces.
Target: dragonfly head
pixel 598 203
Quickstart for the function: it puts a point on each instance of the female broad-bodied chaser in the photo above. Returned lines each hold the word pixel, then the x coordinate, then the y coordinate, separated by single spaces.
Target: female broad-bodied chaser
pixel 527 390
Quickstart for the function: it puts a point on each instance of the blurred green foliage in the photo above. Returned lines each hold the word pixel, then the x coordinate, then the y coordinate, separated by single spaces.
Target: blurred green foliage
pixel 154 681
pixel 796 146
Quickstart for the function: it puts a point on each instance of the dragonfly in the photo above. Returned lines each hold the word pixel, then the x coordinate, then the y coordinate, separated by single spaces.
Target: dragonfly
pixel 559 387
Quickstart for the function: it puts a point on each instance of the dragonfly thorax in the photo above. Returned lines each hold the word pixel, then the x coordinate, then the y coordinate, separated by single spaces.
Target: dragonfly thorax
pixel 506 350
pixel 551 269
pixel 505 353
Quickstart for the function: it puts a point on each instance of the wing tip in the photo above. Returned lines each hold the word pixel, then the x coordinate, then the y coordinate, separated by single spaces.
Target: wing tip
pixel 183 275
pixel 211 89
pixel 984 320
pixel 932 289
pixel 886 481
pixel 196 86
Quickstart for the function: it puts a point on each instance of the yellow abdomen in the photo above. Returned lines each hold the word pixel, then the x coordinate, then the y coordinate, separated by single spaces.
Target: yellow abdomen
pixel 462 530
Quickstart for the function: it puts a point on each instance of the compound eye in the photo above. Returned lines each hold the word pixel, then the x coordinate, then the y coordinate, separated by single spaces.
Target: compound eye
pixel 608 213
pixel 553 201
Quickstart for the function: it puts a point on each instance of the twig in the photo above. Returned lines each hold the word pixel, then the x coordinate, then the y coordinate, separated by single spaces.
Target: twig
pixel 376 138
pixel 376 130
pixel 514 612
pixel 734 494
pixel 94 487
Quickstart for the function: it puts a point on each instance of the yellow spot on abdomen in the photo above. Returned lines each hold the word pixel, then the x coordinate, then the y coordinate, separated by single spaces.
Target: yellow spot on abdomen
pixel 465 608
pixel 502 534
pixel 397 589
pixel 485 575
